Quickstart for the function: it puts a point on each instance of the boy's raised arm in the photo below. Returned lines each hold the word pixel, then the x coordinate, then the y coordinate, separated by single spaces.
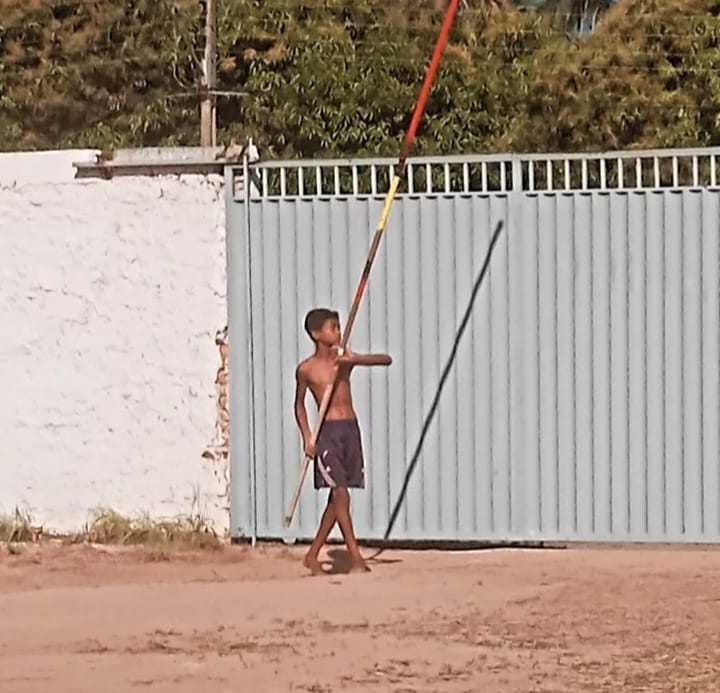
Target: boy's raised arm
pixel 372 360
pixel 352 359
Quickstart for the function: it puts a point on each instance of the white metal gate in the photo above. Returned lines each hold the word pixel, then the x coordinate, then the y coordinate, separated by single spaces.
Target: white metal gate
pixel 584 399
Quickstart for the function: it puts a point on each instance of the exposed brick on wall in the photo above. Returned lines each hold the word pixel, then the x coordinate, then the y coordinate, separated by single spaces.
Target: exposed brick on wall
pixel 219 452
pixel 112 294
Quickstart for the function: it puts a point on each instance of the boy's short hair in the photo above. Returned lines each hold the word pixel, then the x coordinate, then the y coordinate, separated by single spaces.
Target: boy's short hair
pixel 317 317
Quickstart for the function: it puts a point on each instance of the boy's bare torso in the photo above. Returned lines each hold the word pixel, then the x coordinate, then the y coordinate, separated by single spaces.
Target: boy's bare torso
pixel 318 373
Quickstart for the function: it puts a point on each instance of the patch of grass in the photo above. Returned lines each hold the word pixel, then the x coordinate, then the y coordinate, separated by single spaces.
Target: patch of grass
pixel 17 527
pixel 110 527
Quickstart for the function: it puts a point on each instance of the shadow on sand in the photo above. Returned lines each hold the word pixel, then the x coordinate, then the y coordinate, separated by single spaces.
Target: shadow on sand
pixel 436 399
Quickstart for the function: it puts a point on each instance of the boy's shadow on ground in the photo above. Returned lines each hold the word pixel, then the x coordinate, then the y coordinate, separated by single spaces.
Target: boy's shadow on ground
pixel 340 563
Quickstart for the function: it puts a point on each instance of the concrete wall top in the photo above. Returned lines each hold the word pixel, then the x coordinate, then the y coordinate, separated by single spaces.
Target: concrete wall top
pixel 23 168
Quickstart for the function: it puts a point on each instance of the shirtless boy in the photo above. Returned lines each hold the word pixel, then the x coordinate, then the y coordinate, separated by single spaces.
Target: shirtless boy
pixel 338 455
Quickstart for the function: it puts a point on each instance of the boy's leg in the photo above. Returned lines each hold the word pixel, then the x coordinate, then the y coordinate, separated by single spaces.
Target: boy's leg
pixel 326 524
pixel 341 500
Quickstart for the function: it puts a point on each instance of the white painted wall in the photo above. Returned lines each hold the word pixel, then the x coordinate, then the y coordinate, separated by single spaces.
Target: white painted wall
pixel 110 296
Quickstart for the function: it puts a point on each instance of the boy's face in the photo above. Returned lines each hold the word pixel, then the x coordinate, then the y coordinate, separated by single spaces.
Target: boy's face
pixel 329 333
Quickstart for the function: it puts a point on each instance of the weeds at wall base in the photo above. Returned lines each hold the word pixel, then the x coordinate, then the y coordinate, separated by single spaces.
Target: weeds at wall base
pixel 108 527
pixel 18 528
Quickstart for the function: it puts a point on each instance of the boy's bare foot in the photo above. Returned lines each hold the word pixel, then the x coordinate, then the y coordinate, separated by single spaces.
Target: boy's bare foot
pixel 359 566
pixel 313 565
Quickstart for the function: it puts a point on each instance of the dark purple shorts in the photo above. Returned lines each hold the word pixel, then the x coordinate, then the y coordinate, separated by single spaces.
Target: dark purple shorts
pixel 339 460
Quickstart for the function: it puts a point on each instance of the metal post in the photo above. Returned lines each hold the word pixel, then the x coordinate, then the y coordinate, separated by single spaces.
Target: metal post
pixel 208 108
pixel 247 191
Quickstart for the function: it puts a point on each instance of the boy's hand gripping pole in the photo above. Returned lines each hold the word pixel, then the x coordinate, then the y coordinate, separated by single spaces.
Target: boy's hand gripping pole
pixel 442 41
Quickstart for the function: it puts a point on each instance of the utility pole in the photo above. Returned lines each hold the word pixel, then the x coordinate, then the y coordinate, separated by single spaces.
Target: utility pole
pixel 208 107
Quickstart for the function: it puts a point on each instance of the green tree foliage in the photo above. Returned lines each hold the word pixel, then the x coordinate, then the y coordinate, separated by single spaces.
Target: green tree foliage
pixel 648 77
pixel 94 73
pixel 339 77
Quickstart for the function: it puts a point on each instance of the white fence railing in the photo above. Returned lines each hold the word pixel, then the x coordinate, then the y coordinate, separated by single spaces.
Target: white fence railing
pixel 447 175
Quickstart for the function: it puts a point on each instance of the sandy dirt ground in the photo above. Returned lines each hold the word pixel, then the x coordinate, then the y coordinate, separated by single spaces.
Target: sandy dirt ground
pixel 82 619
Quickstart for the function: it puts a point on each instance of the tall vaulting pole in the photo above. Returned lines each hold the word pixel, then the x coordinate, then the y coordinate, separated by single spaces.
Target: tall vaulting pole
pixel 432 71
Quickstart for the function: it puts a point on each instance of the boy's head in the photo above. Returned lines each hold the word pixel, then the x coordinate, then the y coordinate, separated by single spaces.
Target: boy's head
pixel 323 326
